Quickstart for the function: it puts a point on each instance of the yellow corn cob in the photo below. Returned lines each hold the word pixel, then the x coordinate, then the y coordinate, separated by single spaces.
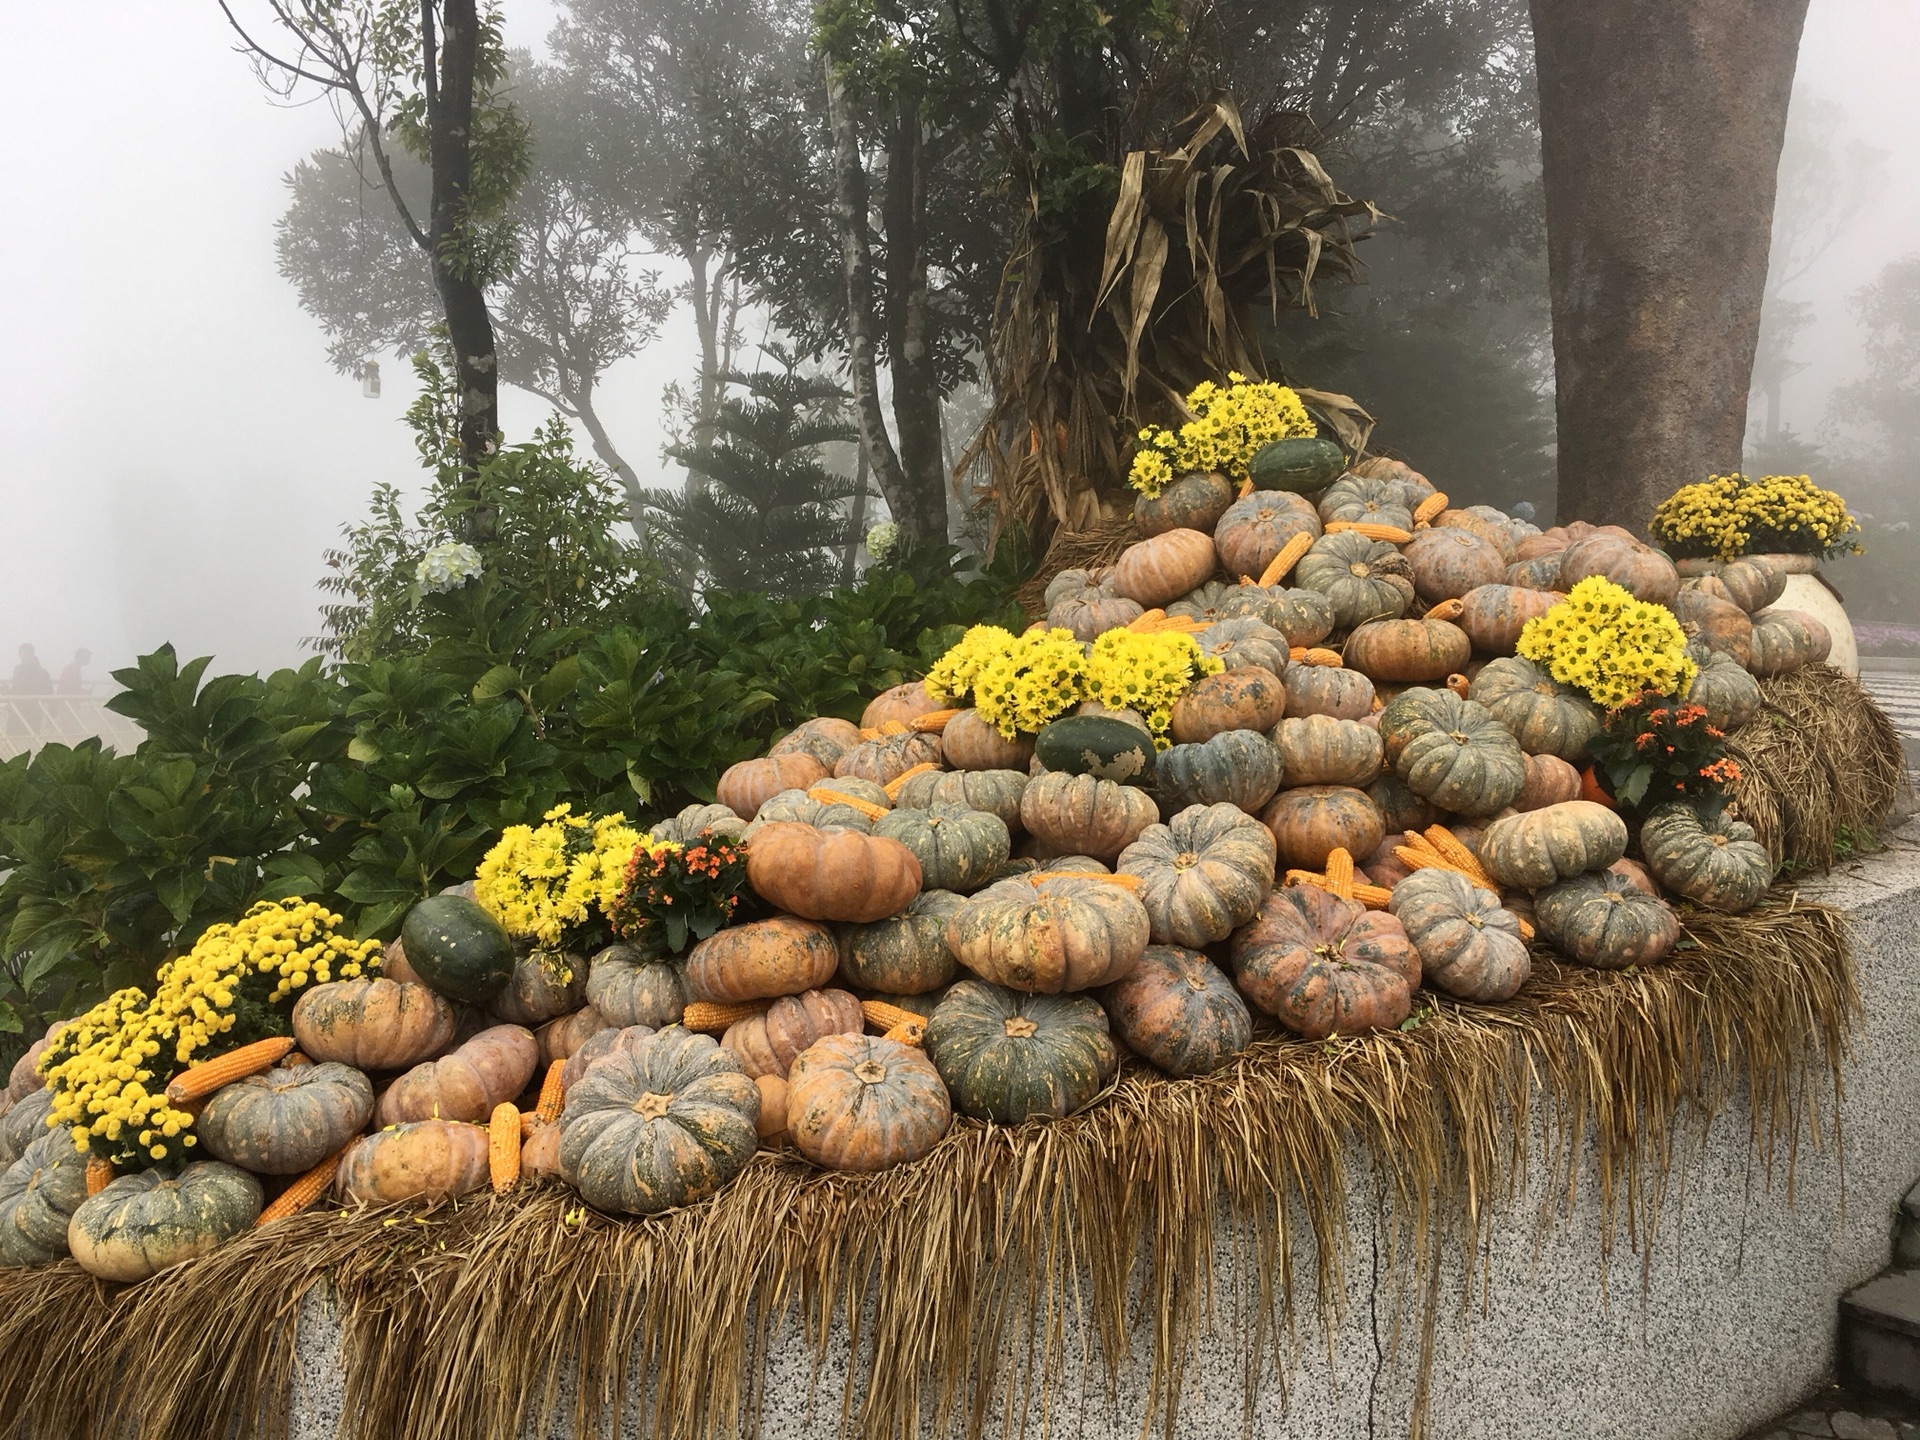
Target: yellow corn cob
pixel 931 723
pixel 1462 859
pixel 890 728
pixel 892 787
pixel 714 1019
pixel 1340 873
pixel 1446 610
pixel 99 1174
pixel 1146 620
pixel 1428 508
pixel 1421 845
pixel 208 1076
pixel 553 1094
pixel 529 1122
pixel 503 1146
pixel 1392 534
pixel 301 1194
pixel 884 1017
pixel 1378 705
pixel 912 1032
pixel 870 734
pixel 1373 897
pixel 827 795
pixel 1288 557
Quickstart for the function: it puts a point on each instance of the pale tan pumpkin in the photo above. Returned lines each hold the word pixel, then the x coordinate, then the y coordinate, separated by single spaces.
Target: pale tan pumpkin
pixel 493 1066
pixel 1163 568
pixel 1084 815
pixel 767 1043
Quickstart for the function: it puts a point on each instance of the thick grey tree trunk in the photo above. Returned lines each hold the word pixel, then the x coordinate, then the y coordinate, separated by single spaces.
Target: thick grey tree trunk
pixel 1661 123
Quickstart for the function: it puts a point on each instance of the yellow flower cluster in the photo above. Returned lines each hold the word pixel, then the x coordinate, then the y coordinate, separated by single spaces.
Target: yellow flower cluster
pixel 1603 641
pixel 1230 423
pixel 546 880
pixel 1729 515
pixel 1146 673
pixel 108 1069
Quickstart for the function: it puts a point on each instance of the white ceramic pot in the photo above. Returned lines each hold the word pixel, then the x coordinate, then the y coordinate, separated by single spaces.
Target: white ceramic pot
pixel 1805 592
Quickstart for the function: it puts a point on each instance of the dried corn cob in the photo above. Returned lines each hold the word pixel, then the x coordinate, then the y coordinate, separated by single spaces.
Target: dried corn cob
pixel 892 787
pixel 503 1146
pixel 1367 529
pixel 931 723
pixel 197 1081
pixel 302 1193
pixel 1429 509
pixel 714 1019
pixel 553 1093
pixel 885 1017
pixel 1446 610
pixel 1289 556
pixel 827 795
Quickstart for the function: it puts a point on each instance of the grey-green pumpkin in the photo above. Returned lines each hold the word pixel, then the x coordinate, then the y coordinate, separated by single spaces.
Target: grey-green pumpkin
pixel 1180 1011
pixel 1725 689
pixel 958 849
pixel 38 1194
pixel 1009 1057
pixel 1096 745
pixel 1362 579
pixel 1714 860
pixel 25 1123
pixel 1604 920
pixel 146 1222
pixel 1240 767
pixel 1452 752
pixel 997 792
pixel 1546 717
pixel 905 954
pixel 285 1122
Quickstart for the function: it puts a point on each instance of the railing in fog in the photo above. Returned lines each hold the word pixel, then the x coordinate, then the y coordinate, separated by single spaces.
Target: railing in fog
pixel 30 721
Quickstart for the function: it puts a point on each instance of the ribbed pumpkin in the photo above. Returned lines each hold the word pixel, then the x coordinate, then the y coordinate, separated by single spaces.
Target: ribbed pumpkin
pixel 1714 624
pixel 1305 617
pixel 1400 809
pixel 630 987
pixel 1179 1011
pixel 1604 920
pixel 284 1122
pixel 970 743
pixel 24 1123
pixel 1494 615
pixel 1641 569
pixel 599 1046
pixel 772 1123
pixel 1246 641
pixel 1550 781
pixel 1240 767
pixel 1319 750
pixel 25 1077
pixel 1309 823
pixel 493 1066
pixel 1250 698
pixel 696 822
pixel 1362 579
pixel 865 1103
pixel 1009 1057
pixel 1726 690
pixel 904 955
pixel 1255 529
pixel 997 792
pixel 832 875
pixel 781 956
pixel 1540 573
pixel 1546 717
pixel 766 1043
pixel 38 1194
pixel 957 848
pixel 1325 966
pixel 1714 861
pixel 544 983
pixel 905 703
pixel 1202 874
pixel 1195 501
pixel 1328 690
pixel 431 1160
pixel 889 757
pixel 1542 847
pixel 662 1125
pixel 1448 563
pixel 1786 640
pixel 1452 751
pixel 1088 609
pixel 802 807
pixel 1047 933
pixel 1486 523
pixel 1408 651
pixel 1752 582
pixel 146 1222
pixel 825 737
pixel 1164 567
pixel 372 1024
pixel 1469 945
pixel 1082 815
pixel 1365 500
pixel 746 786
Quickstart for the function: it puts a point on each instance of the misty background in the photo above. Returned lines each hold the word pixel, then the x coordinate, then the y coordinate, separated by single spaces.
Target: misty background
pixel 178 452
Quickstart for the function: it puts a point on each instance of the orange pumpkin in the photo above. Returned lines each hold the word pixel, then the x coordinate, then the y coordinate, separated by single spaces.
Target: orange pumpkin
pixel 1050 932
pixel 826 738
pixel 970 743
pixel 1550 781
pixel 758 961
pixel 1479 520
pixel 1319 750
pixel 1328 690
pixel 1085 815
pixel 1179 1011
pixel 766 1044
pixel 1254 530
pixel 904 703
pixel 372 1024
pixel 887 758
pixel 772 1126
pixel 428 1160
pixel 558 1039
pixel 1325 966
pixel 1249 698
pixel 1639 568
pixel 1493 615
pixel 745 787
pixel 1408 651
pixel 1310 823
pixel 1449 562
pixel 493 1066
pixel 1163 568
pixel 1715 624
pixel 864 1103
pixel 831 875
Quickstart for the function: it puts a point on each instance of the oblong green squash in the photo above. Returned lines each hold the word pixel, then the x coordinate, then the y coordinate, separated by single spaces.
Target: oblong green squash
pixel 457 948
pixel 1301 464
pixel 1096 745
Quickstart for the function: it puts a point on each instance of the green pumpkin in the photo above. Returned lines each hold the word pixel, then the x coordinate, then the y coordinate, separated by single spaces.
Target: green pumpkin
pixel 630 986
pixel 1240 767
pixel 1009 1057
pixel 1305 617
pixel 1302 464
pixel 997 792
pixel 1399 807
pixel 1469 945
pixel 25 1123
pixel 1179 1011
pixel 1096 745
pixel 1364 500
pixel 1546 717
pixel 1725 689
pixel 1715 861
pixel 906 954
pixel 698 821
pixel 958 849
pixel 147 1222
pixel 1452 752
pixel 1604 920
pixel 457 948
pixel 1203 873
pixel 660 1125
pixel 1362 579
pixel 38 1194
pixel 285 1122
pixel 1556 842
pixel 799 807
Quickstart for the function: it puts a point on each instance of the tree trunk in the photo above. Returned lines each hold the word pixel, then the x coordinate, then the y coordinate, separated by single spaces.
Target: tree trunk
pixel 850 196
pixel 916 385
pixel 580 401
pixel 857 522
pixel 1660 127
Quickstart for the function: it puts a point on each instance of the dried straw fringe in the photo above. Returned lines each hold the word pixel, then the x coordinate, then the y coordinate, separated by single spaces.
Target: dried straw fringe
pixel 456 1326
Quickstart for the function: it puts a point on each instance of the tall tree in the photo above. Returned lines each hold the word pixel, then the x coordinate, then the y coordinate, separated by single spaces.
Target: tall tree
pixel 1660 130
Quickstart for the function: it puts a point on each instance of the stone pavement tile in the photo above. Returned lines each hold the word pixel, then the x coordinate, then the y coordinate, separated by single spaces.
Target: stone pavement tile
pixel 1809 1422
pixel 1849 1426
pixel 1908 1432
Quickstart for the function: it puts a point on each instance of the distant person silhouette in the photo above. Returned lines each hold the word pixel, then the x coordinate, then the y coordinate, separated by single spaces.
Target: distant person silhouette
pixel 30 677
pixel 73 680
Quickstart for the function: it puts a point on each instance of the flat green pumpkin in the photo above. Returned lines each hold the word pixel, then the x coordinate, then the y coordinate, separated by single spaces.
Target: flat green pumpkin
pixel 1096 745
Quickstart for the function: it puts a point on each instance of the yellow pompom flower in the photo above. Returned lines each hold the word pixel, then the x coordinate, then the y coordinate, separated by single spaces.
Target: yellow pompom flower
pixel 547 881
pixel 1602 640
pixel 1230 424
pixel 1146 673
pixel 1729 515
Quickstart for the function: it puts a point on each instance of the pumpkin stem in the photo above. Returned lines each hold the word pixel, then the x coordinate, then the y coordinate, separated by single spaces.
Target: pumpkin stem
pixel 652 1106
pixel 1020 1028
pixel 870 1071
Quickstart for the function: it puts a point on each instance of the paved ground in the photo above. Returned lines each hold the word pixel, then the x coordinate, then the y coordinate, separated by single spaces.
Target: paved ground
pixel 1836 1414
pixel 1898 693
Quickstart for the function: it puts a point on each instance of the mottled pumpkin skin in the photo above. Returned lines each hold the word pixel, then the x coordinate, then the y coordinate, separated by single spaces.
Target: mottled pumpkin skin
pixel 1542 847
pixel 889 757
pixel 1485 523
pixel 825 737
pixel 1083 815
pixel 970 743
pixel 147 1222
pixel 1539 573
pixel 1714 624
pixel 1305 617
pixel 1319 750
pixel 1726 691
pixel 630 987
pixel 767 1043
pixel 904 955
pixel 1195 501
pixel 1328 690
pixel 1453 751
pixel 22 1124
pixel 1469 945
pixel 865 1103
pixel 38 1194
pixel 1412 485
pixel 1546 717
pixel 781 956
pixel 1366 500
pixel 905 703
pixel 1447 563
pixel 997 792
pixel 1325 966
pixel 1009 1057
pixel 1550 781
pixel 493 1066
pixel 1088 609
pixel 430 1160
pixel 1606 921
pixel 1202 874
pixel 1238 767
pixel 664 1124
pixel 1786 640
pixel 696 822
pixel 746 786
pixel 958 848
pixel 1752 582
pixel 1179 1011
pixel 1246 641
pixel 831 875
pixel 1713 862
pixel 598 1047
pixel 1362 579
pixel 1494 615
pixel 1310 823
pixel 372 1024
pixel 25 1077
pixel 1400 809
pixel 284 1122
pixel 544 983
pixel 1403 651
pixel 1250 698
pixel 1163 568
pixel 1047 932
pixel 1627 563
pixel 1251 531
pixel 799 807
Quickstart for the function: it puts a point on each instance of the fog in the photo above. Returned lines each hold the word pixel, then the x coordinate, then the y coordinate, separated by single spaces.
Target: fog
pixel 176 451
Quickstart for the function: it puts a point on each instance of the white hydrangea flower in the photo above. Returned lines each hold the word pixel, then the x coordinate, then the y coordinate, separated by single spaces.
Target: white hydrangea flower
pixel 882 540
pixel 447 566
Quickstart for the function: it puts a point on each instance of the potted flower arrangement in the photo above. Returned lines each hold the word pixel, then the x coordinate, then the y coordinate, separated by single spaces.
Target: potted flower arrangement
pixel 1654 749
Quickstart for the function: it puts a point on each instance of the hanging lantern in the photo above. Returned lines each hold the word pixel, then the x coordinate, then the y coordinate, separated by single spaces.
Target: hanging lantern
pixel 370 379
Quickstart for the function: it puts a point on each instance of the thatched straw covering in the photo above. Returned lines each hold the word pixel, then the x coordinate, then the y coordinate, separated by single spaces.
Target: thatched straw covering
pixel 456 1325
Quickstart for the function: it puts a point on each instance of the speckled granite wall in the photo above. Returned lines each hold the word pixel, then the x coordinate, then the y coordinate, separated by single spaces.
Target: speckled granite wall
pixel 1721 1319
